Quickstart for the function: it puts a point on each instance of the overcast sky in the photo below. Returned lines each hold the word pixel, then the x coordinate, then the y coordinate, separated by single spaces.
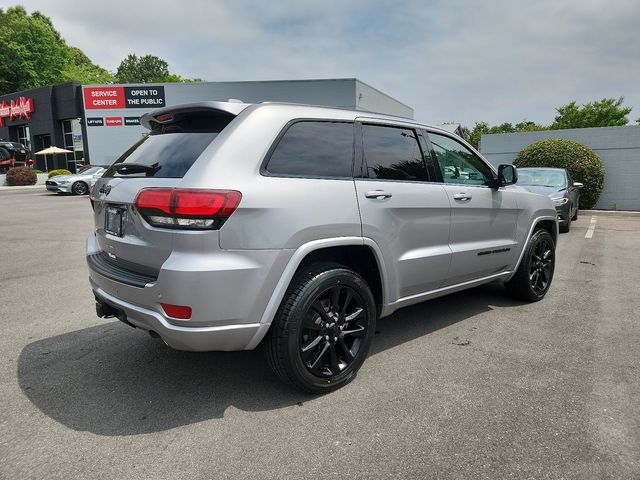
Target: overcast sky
pixel 456 60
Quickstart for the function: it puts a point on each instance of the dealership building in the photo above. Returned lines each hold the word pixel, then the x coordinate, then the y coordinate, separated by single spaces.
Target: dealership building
pixel 99 122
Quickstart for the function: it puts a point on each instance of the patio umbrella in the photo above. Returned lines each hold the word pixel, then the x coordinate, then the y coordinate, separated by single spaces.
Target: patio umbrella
pixel 51 151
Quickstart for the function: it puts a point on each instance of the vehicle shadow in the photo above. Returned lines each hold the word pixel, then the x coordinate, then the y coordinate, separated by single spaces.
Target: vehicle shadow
pixel 111 380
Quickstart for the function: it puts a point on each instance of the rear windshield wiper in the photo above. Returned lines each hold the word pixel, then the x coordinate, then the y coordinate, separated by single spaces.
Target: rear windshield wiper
pixel 129 168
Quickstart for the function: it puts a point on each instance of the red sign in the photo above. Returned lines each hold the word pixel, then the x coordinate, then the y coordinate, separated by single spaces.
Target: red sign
pixel 20 108
pixel 103 98
pixel 113 121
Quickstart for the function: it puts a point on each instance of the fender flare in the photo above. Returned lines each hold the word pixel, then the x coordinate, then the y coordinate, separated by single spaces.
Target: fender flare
pixel 292 267
pixel 534 224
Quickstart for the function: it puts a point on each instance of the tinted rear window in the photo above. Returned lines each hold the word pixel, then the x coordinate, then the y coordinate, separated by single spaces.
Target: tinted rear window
pixel 174 145
pixel 172 153
pixel 314 149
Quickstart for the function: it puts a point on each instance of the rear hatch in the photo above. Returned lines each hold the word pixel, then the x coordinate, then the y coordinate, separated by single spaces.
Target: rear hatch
pixel 177 137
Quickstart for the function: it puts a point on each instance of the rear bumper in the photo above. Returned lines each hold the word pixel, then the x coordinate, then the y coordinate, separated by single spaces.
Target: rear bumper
pixel 225 337
pixel 228 292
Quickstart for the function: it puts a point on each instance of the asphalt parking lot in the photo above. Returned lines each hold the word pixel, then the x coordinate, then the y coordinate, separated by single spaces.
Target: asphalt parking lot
pixel 472 385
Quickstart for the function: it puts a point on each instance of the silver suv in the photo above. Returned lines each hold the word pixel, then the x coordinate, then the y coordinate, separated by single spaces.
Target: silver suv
pixel 295 228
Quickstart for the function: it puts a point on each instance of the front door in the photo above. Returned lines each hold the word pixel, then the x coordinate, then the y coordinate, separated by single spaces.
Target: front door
pixel 483 219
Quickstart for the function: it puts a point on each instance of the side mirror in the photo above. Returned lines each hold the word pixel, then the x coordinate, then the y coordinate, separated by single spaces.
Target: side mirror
pixel 578 184
pixel 507 175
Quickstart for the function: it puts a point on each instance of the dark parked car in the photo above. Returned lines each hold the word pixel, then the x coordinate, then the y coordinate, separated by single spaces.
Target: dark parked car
pixel 13 154
pixel 557 184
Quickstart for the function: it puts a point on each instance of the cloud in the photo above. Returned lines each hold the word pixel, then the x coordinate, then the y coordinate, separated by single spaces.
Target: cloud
pixel 459 60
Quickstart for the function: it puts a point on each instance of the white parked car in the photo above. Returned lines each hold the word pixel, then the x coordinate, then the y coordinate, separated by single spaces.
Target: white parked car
pixel 76 183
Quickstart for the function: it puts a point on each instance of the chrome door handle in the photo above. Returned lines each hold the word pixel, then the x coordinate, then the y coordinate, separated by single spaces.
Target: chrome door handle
pixel 462 196
pixel 378 194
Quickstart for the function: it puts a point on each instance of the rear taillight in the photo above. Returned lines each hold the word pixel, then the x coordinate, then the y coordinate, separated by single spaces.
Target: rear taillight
pixel 187 208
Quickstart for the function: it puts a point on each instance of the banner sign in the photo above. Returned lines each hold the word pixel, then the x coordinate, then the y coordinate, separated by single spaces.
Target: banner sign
pixel 20 108
pixel 95 122
pixel 113 121
pixel 145 96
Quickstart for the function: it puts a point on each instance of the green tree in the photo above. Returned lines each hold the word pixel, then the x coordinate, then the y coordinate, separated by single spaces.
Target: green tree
pixel 84 71
pixel 33 54
pixel 529 126
pixel 474 135
pixel 145 69
pixel 607 112
pixel 483 128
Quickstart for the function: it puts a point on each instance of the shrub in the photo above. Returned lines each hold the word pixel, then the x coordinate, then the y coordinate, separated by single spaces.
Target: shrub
pixel 21 176
pixel 581 162
pixel 59 171
pixel 36 171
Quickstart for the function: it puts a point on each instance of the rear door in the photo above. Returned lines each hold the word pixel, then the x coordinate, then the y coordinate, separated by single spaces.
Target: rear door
pixel 402 209
pixel 160 159
pixel 483 219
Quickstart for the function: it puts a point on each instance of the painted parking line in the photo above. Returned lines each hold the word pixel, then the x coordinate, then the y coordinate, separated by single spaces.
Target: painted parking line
pixel 591 228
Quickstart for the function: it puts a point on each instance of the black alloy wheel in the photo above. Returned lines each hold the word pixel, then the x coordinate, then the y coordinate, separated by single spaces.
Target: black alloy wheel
pixel 541 266
pixel 79 188
pixel 323 329
pixel 333 330
pixel 533 277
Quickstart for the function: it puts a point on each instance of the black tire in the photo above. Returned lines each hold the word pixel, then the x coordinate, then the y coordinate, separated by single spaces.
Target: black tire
pixel 566 227
pixel 323 329
pixel 79 188
pixel 575 215
pixel 535 272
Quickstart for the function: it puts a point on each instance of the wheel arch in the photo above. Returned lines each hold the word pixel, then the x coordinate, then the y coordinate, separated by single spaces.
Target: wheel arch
pixel 77 182
pixel 543 222
pixel 550 225
pixel 360 254
pixel 360 258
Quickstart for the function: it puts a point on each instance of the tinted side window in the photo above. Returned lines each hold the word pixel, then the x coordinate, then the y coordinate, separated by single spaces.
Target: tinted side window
pixel 314 149
pixel 392 153
pixel 457 163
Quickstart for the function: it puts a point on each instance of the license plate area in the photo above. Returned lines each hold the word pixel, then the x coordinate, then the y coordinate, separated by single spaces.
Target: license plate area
pixel 113 221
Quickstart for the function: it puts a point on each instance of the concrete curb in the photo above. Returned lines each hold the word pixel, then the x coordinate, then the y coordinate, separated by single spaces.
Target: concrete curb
pixel 609 212
pixel 22 187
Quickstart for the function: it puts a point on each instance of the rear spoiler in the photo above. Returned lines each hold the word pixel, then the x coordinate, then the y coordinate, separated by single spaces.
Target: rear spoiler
pixel 227 110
